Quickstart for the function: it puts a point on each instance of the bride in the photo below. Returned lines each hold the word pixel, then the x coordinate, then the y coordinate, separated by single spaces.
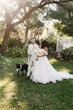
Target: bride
pixel 43 71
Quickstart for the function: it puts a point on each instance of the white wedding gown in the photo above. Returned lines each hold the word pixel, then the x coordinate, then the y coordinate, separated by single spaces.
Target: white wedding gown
pixel 44 72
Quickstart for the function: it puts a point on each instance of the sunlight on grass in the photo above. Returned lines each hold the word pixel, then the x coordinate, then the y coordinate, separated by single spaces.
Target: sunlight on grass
pixel 8 60
pixel 61 65
pixel 8 94
pixel 53 61
pixel 9 90
pixel 6 91
pixel 4 82
pixel 23 104
pixel 64 69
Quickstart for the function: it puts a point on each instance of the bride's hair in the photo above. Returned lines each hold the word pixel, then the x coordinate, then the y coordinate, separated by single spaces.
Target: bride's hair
pixel 45 44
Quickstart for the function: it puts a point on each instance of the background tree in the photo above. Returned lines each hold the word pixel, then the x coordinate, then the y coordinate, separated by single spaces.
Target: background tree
pixel 33 23
pixel 15 8
pixel 64 14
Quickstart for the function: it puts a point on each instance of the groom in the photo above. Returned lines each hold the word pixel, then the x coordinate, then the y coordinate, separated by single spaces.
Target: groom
pixel 31 55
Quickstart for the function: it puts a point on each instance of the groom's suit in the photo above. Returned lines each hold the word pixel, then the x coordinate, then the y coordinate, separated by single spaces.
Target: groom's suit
pixel 31 56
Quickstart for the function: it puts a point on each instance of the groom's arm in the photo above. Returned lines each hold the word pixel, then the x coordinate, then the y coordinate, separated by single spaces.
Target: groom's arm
pixel 28 52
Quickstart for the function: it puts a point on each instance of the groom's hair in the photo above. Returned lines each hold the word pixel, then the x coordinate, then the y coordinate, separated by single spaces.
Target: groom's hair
pixel 32 38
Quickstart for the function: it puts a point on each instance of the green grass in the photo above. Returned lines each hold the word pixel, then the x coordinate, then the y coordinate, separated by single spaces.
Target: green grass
pixel 16 93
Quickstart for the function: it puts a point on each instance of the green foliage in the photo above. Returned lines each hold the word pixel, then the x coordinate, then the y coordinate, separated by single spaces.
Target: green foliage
pixel 52 48
pixel 64 15
pixel 15 42
pixel 67 54
pixel 16 51
pixel 16 48
pixel 51 38
pixel 59 26
pixel 64 28
pixel 68 29
pixel 52 44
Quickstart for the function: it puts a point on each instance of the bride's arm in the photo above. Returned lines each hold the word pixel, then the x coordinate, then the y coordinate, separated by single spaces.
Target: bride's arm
pixel 44 53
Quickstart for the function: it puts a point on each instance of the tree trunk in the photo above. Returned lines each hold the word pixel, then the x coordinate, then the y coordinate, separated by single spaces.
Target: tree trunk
pixel 5 38
pixel 38 32
pixel 26 33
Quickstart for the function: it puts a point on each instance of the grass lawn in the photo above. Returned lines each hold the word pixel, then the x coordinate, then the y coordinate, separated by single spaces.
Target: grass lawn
pixel 16 93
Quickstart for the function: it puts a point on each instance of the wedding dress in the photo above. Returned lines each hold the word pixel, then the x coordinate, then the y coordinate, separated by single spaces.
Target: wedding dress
pixel 44 72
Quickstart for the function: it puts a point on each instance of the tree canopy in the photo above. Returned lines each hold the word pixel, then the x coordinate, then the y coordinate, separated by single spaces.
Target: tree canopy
pixel 19 11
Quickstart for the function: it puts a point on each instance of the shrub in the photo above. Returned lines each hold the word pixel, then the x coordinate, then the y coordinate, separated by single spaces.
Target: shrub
pixel 15 42
pixel 16 52
pixel 67 54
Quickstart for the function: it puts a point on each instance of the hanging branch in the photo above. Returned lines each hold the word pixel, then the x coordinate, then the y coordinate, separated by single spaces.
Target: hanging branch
pixel 40 5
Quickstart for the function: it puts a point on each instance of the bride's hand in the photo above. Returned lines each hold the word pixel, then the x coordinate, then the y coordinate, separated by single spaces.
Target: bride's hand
pixel 41 55
pixel 38 55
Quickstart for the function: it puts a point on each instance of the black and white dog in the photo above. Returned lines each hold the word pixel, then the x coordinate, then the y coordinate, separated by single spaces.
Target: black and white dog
pixel 21 67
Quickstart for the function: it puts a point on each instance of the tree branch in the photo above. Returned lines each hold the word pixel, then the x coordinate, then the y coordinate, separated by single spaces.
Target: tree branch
pixel 26 15
pixel 14 13
pixel 40 5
